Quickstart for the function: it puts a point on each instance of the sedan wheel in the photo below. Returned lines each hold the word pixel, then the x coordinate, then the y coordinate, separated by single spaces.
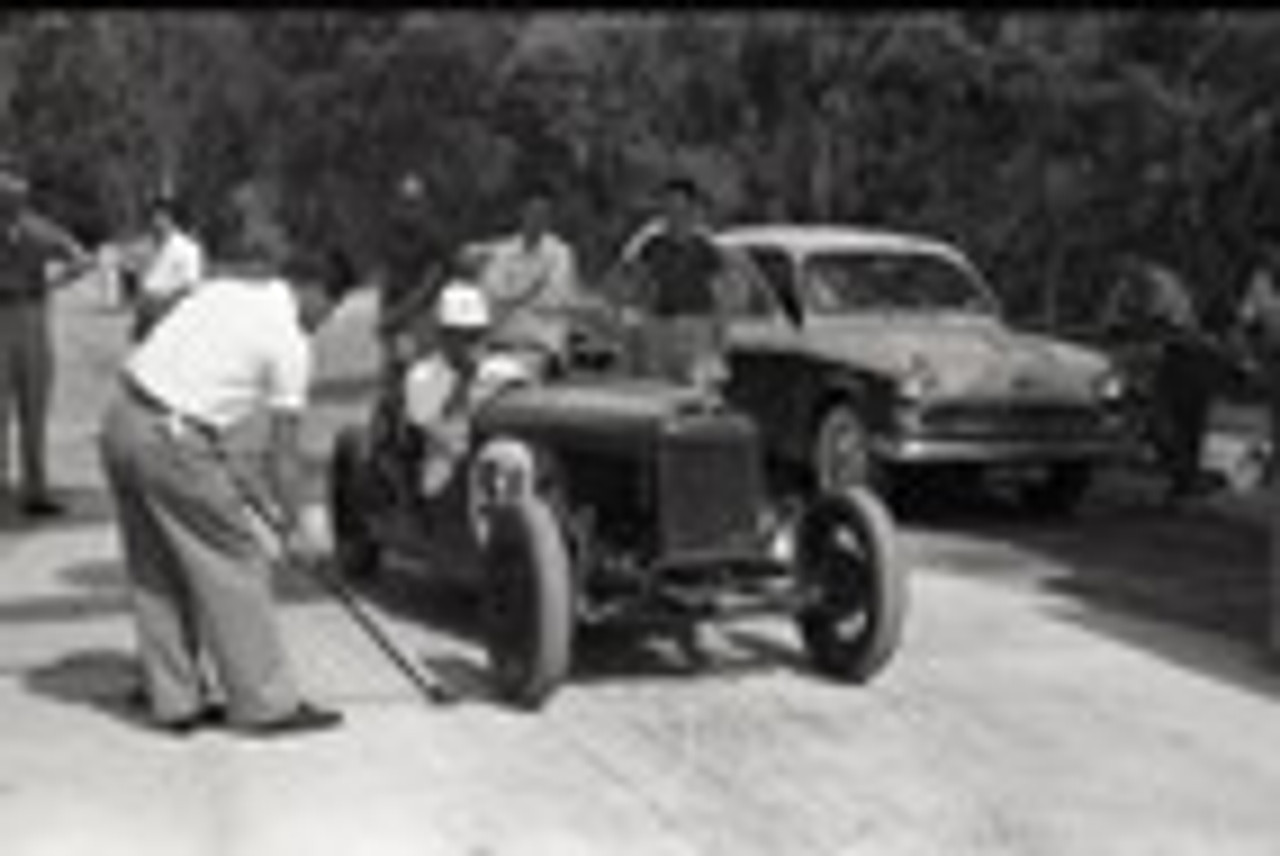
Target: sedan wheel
pixel 841 457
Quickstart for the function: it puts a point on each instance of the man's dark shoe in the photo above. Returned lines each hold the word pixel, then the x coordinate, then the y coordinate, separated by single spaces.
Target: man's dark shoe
pixel 304 719
pixel 208 716
pixel 42 507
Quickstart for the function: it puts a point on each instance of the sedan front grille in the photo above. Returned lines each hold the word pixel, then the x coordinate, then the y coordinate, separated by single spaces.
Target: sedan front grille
pixel 1040 421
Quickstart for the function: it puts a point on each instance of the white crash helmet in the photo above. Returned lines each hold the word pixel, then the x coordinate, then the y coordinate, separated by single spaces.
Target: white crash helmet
pixel 463 306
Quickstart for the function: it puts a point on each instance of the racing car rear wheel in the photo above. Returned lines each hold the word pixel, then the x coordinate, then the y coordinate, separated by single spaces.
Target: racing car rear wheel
pixel 530 601
pixel 848 561
pixel 355 549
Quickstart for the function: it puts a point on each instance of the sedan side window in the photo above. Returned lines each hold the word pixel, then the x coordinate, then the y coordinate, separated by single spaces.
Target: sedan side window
pixel 742 287
pixel 778 271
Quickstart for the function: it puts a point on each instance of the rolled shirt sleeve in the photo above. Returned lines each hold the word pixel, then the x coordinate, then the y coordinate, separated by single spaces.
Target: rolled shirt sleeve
pixel 563 286
pixel 177 268
pixel 289 374
pixel 427 387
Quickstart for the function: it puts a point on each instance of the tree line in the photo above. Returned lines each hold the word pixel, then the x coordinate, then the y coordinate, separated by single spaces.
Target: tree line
pixel 1045 143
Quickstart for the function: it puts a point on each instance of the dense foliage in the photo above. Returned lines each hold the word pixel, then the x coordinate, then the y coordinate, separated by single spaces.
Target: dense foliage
pixel 1045 143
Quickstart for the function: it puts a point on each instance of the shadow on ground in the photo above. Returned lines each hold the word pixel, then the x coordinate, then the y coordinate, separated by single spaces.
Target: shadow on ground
pixel 99 588
pixel 601 654
pixel 85 505
pixel 1189 585
pixel 98 678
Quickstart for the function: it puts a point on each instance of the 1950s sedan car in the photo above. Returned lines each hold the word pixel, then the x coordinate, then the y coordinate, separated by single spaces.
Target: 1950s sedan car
pixel 600 498
pixel 866 354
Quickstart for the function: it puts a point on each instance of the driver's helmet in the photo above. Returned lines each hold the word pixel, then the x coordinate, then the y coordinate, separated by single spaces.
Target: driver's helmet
pixel 463 306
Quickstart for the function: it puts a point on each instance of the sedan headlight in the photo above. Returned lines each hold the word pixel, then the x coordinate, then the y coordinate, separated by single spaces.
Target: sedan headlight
pixel 1109 387
pixel 917 381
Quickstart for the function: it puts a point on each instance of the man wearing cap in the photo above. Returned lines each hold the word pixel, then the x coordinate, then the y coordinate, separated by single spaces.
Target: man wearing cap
pixel 443 389
pixel 201 576
pixel 175 269
pixel 31 248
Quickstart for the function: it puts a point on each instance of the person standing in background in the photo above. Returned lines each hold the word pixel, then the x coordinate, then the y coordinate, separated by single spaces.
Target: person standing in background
pixel 36 254
pixel 1154 313
pixel 175 269
pixel 670 268
pixel 1258 320
pixel 411 263
pixel 531 281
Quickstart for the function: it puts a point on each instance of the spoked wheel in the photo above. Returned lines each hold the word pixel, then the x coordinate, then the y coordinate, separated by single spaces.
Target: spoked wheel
pixel 848 561
pixel 530 602
pixel 355 549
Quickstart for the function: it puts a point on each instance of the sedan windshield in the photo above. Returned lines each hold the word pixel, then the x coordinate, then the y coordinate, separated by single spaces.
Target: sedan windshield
pixel 837 283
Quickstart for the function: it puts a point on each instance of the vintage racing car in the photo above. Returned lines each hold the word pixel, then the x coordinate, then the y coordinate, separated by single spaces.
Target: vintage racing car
pixel 597 498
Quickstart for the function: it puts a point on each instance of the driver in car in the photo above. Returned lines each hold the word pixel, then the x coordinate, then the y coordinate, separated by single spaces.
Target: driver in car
pixel 444 388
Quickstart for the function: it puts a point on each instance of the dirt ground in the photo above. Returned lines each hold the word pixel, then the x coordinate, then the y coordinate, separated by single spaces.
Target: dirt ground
pixel 1087 687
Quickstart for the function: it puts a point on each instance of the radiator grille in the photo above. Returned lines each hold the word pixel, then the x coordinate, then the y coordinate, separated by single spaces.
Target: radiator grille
pixel 708 486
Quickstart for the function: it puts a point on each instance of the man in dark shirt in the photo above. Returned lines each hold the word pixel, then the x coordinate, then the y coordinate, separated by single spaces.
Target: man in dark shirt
pixel 673 265
pixel 1154 314
pixel 1258 320
pixel 412 260
pixel 30 246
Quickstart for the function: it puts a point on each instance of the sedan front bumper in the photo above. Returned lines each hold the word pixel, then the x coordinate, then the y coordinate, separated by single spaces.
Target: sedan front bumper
pixel 940 450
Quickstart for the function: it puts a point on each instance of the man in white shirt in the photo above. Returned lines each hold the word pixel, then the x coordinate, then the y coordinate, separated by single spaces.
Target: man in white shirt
pixel 176 268
pixel 531 280
pixel 201 575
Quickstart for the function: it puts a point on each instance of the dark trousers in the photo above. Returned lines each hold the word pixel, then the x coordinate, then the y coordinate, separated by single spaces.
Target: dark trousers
pixel 1182 397
pixel 1271 379
pixel 26 383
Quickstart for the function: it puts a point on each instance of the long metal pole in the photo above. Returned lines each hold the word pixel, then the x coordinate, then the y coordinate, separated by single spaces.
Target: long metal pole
pixel 433 691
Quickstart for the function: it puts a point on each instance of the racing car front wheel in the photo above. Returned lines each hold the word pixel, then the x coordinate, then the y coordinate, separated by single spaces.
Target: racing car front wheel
pixel 355 549
pixel 852 624
pixel 529 595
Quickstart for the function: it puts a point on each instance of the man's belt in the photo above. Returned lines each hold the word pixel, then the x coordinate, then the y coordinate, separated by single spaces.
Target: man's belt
pixel 177 422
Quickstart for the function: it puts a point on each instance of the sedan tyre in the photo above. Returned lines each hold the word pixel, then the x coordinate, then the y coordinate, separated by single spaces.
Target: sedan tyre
pixel 841 455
